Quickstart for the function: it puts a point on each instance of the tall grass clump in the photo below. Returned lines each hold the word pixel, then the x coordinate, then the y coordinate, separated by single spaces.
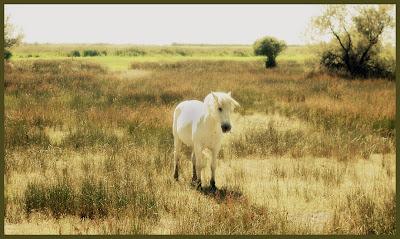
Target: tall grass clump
pixel 20 133
pixel 35 197
pixel 60 199
pixel 89 136
pixel 93 199
pixel 361 214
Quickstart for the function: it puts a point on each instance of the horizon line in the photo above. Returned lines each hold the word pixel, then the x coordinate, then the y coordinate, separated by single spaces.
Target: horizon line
pixel 150 44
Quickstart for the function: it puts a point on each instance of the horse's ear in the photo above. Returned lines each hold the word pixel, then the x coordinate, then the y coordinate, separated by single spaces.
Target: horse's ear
pixel 215 97
pixel 230 94
pixel 235 103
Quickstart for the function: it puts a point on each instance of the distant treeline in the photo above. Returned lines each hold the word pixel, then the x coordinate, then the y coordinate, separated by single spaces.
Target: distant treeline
pixel 86 50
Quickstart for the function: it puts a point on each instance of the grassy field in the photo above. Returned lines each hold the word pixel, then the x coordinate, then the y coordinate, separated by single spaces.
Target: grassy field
pixel 119 57
pixel 89 145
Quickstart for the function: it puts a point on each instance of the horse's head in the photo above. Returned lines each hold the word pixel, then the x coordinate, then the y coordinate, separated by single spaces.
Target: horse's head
pixel 220 105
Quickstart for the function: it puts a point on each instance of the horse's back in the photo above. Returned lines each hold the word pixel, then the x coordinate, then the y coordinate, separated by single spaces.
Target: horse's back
pixel 185 114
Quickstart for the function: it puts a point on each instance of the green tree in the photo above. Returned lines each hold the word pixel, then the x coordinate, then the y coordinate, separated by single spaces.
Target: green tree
pixel 356 37
pixel 269 47
pixel 11 38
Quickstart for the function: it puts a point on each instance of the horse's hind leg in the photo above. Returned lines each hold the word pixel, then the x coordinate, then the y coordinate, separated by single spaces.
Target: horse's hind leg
pixel 198 156
pixel 177 150
pixel 194 178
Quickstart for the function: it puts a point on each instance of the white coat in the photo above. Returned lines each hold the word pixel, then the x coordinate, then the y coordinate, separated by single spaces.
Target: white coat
pixel 200 125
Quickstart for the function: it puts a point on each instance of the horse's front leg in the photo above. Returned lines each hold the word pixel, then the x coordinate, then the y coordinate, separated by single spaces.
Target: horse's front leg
pixel 213 168
pixel 198 151
pixel 194 177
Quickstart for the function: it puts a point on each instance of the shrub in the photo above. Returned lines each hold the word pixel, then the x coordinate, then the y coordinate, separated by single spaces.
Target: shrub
pixel 7 55
pixel 331 61
pixel 130 52
pixel 11 37
pixel 356 45
pixel 270 47
pixel 91 53
pixel 376 66
pixel 74 53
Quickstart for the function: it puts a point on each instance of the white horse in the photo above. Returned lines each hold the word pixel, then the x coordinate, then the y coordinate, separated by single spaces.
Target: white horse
pixel 200 125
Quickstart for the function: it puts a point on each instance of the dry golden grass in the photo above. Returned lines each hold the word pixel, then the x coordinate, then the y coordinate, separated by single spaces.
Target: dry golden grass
pixel 89 151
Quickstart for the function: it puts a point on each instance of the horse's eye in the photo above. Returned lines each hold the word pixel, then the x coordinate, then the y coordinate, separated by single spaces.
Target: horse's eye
pixel 220 109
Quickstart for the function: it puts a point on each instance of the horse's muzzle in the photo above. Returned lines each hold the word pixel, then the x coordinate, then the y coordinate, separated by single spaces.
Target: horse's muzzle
pixel 225 127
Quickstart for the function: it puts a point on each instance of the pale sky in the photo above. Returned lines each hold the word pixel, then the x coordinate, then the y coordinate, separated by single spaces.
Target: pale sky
pixel 161 24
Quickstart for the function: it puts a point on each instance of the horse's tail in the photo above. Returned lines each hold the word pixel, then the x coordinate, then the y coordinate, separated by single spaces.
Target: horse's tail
pixel 177 112
pixel 177 143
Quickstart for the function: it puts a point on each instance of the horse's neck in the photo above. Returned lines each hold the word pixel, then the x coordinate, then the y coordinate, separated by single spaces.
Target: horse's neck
pixel 211 120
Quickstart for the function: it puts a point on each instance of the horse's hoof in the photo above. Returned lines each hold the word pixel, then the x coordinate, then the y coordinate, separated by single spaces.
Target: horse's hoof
pixel 197 184
pixel 213 189
pixel 193 183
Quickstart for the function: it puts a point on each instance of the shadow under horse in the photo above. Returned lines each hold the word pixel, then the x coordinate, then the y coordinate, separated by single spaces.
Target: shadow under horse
pixel 221 194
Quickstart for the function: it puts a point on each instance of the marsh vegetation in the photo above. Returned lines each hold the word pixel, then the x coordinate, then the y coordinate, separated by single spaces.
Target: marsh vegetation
pixel 88 145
